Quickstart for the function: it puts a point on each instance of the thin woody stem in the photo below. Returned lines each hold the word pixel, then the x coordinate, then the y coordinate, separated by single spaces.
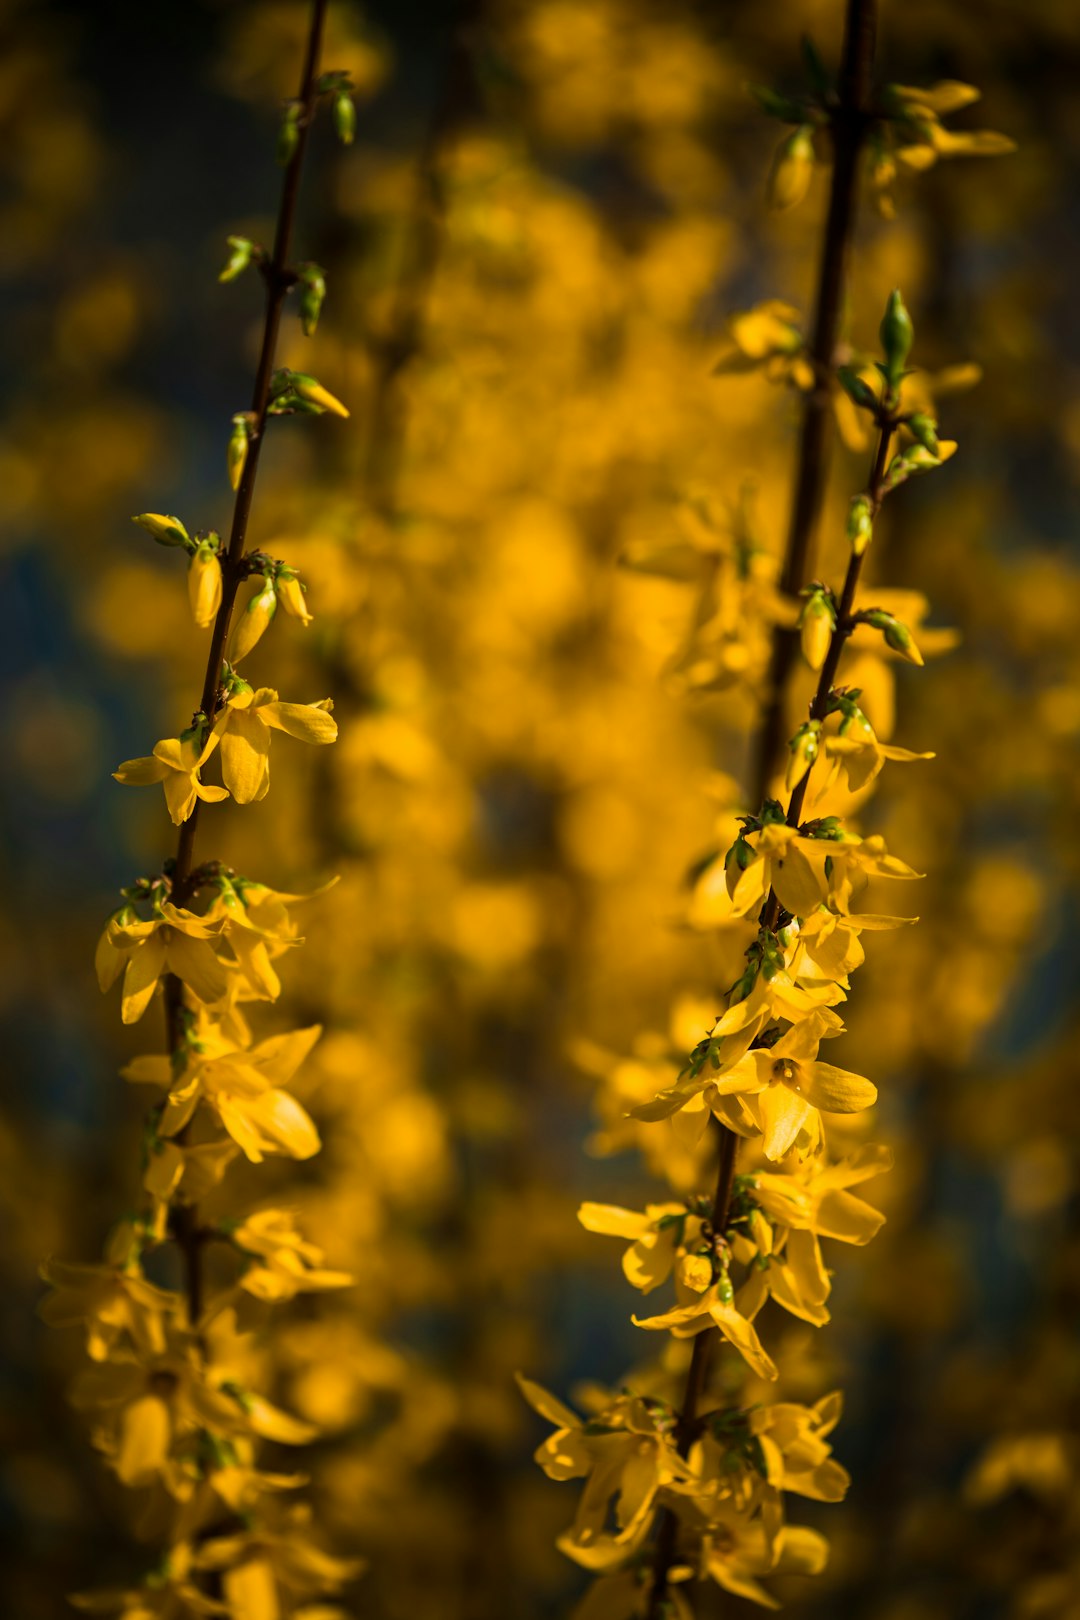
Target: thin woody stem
pixel 849 121
pixel 185 1222
pixel 842 629
pixel 278 282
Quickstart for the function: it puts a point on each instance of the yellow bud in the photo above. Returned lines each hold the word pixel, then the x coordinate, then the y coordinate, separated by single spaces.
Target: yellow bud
pixel 816 624
pixel 236 455
pixel 167 531
pixel 204 584
pixel 291 596
pixel 315 394
pixel 253 621
pixel 793 168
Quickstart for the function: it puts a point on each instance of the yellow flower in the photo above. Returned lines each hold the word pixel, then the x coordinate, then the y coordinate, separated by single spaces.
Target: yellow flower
pixel 283 1263
pixel 169 1594
pixel 112 1302
pixel 786 1088
pixel 244 730
pixel 149 1410
pixel 176 763
pixel 258 927
pixel 792 1439
pixel 786 862
pixel 626 1452
pixel 656 1237
pixel 173 941
pixel 708 1309
pixel 766 337
pixel 737 1551
pixel 860 756
pixel 242 1088
pixel 269 1570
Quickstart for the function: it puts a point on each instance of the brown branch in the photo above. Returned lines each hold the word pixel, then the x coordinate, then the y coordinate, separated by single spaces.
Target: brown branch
pixel 279 279
pixel 849 120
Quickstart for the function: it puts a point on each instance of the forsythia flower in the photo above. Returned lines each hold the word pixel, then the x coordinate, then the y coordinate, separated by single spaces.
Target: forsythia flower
pixel 173 941
pixel 282 1263
pixel 244 731
pixel 112 1302
pixel 242 1088
pixel 625 1453
pixel 176 763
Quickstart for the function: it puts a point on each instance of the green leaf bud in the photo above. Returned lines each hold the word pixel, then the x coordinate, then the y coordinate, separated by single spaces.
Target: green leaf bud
pixel 857 388
pixel 925 430
pixel 289 133
pixel 241 253
pixel 897 635
pixel 897 335
pixel 312 294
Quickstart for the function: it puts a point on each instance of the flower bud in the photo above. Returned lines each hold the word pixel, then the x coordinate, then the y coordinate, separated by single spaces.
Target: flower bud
pixel 897 635
pixel 236 454
pixel 804 748
pixel 312 293
pixel 925 430
pixel 344 116
pixel 204 582
pixel 860 524
pixel 793 168
pixel 311 390
pixel 253 621
pixel 167 531
pixel 290 594
pixel 289 133
pixel 897 335
pixel 817 621
pixel 241 253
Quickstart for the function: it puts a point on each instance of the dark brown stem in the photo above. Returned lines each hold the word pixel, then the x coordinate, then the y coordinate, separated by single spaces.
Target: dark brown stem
pixel 842 629
pixel 278 281
pixel 278 278
pixel 849 122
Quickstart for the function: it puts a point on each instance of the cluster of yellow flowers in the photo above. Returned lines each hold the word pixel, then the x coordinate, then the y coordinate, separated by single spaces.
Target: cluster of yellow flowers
pixel 684 1475
pixel 173 1389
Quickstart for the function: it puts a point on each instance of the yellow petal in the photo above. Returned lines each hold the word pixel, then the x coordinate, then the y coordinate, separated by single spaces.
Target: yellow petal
pixel 836 1091
pixel 245 755
pixel 140 980
pixel 309 722
pixel 251 1591
pixel 145 1433
pixel 141 772
pixel 194 961
pixel 547 1406
pixel 612 1221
